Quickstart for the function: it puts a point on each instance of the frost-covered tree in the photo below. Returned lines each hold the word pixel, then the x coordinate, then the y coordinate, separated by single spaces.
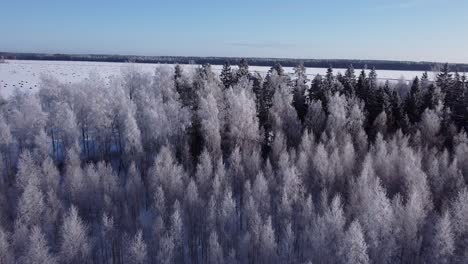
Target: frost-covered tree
pixel 299 91
pixel 430 126
pixel 460 225
pixel 284 116
pixel 75 246
pixel 226 76
pixel 368 197
pixel 243 128
pixel 134 187
pixel 267 243
pixel 31 206
pixel 443 246
pixel 166 250
pixel 210 125
pixel 28 171
pixel 26 118
pixel 215 251
pixel 168 173
pixel 354 249
pixel 137 250
pixel 38 251
pixel 6 251
pixel 180 165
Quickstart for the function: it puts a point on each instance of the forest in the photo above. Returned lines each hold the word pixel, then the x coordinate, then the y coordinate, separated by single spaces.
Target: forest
pixel 255 61
pixel 182 166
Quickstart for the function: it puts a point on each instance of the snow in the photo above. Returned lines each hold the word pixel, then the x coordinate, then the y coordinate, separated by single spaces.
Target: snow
pixel 25 75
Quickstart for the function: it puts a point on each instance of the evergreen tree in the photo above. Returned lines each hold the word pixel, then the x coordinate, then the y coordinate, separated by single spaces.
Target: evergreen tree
pixel 458 106
pixel 372 80
pixel 243 70
pixel 316 91
pixel 177 76
pixel 445 82
pixel 432 97
pixel 349 81
pixel 226 75
pixel 299 90
pixel 183 89
pixel 362 87
pixel 425 82
pixel 413 103
pixel 331 84
pixel 278 69
pixel 376 104
pixel 399 119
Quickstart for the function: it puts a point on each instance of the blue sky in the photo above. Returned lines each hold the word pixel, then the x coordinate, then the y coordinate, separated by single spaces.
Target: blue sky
pixel 432 30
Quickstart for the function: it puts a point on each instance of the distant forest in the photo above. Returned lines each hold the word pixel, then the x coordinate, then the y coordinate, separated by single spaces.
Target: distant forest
pixel 285 62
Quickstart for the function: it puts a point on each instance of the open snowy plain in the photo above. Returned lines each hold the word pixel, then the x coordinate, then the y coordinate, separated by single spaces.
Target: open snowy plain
pixel 25 75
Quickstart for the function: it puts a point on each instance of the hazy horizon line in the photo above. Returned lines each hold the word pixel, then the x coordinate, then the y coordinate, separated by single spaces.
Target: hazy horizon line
pixel 233 57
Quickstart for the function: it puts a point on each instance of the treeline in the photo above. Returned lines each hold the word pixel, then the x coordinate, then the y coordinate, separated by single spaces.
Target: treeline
pixel 286 62
pixel 190 167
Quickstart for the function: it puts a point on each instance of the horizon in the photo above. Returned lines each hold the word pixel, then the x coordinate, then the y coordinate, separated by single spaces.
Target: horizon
pixel 225 57
pixel 360 30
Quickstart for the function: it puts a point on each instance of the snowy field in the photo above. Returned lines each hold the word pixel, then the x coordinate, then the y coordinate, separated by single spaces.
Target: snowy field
pixel 25 75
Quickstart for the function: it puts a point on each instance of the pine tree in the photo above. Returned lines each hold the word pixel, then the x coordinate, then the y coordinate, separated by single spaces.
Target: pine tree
pixel 349 81
pixel 444 81
pixel 372 80
pixel 465 102
pixel 376 103
pixel 458 106
pixel 185 91
pixel 413 103
pixel 330 82
pixel 226 75
pixel 316 91
pixel 425 82
pixel 362 87
pixel 299 90
pixel 399 119
pixel 277 68
pixel 432 97
pixel 243 70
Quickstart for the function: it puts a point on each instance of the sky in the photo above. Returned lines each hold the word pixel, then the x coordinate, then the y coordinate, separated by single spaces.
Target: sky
pixel 420 30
